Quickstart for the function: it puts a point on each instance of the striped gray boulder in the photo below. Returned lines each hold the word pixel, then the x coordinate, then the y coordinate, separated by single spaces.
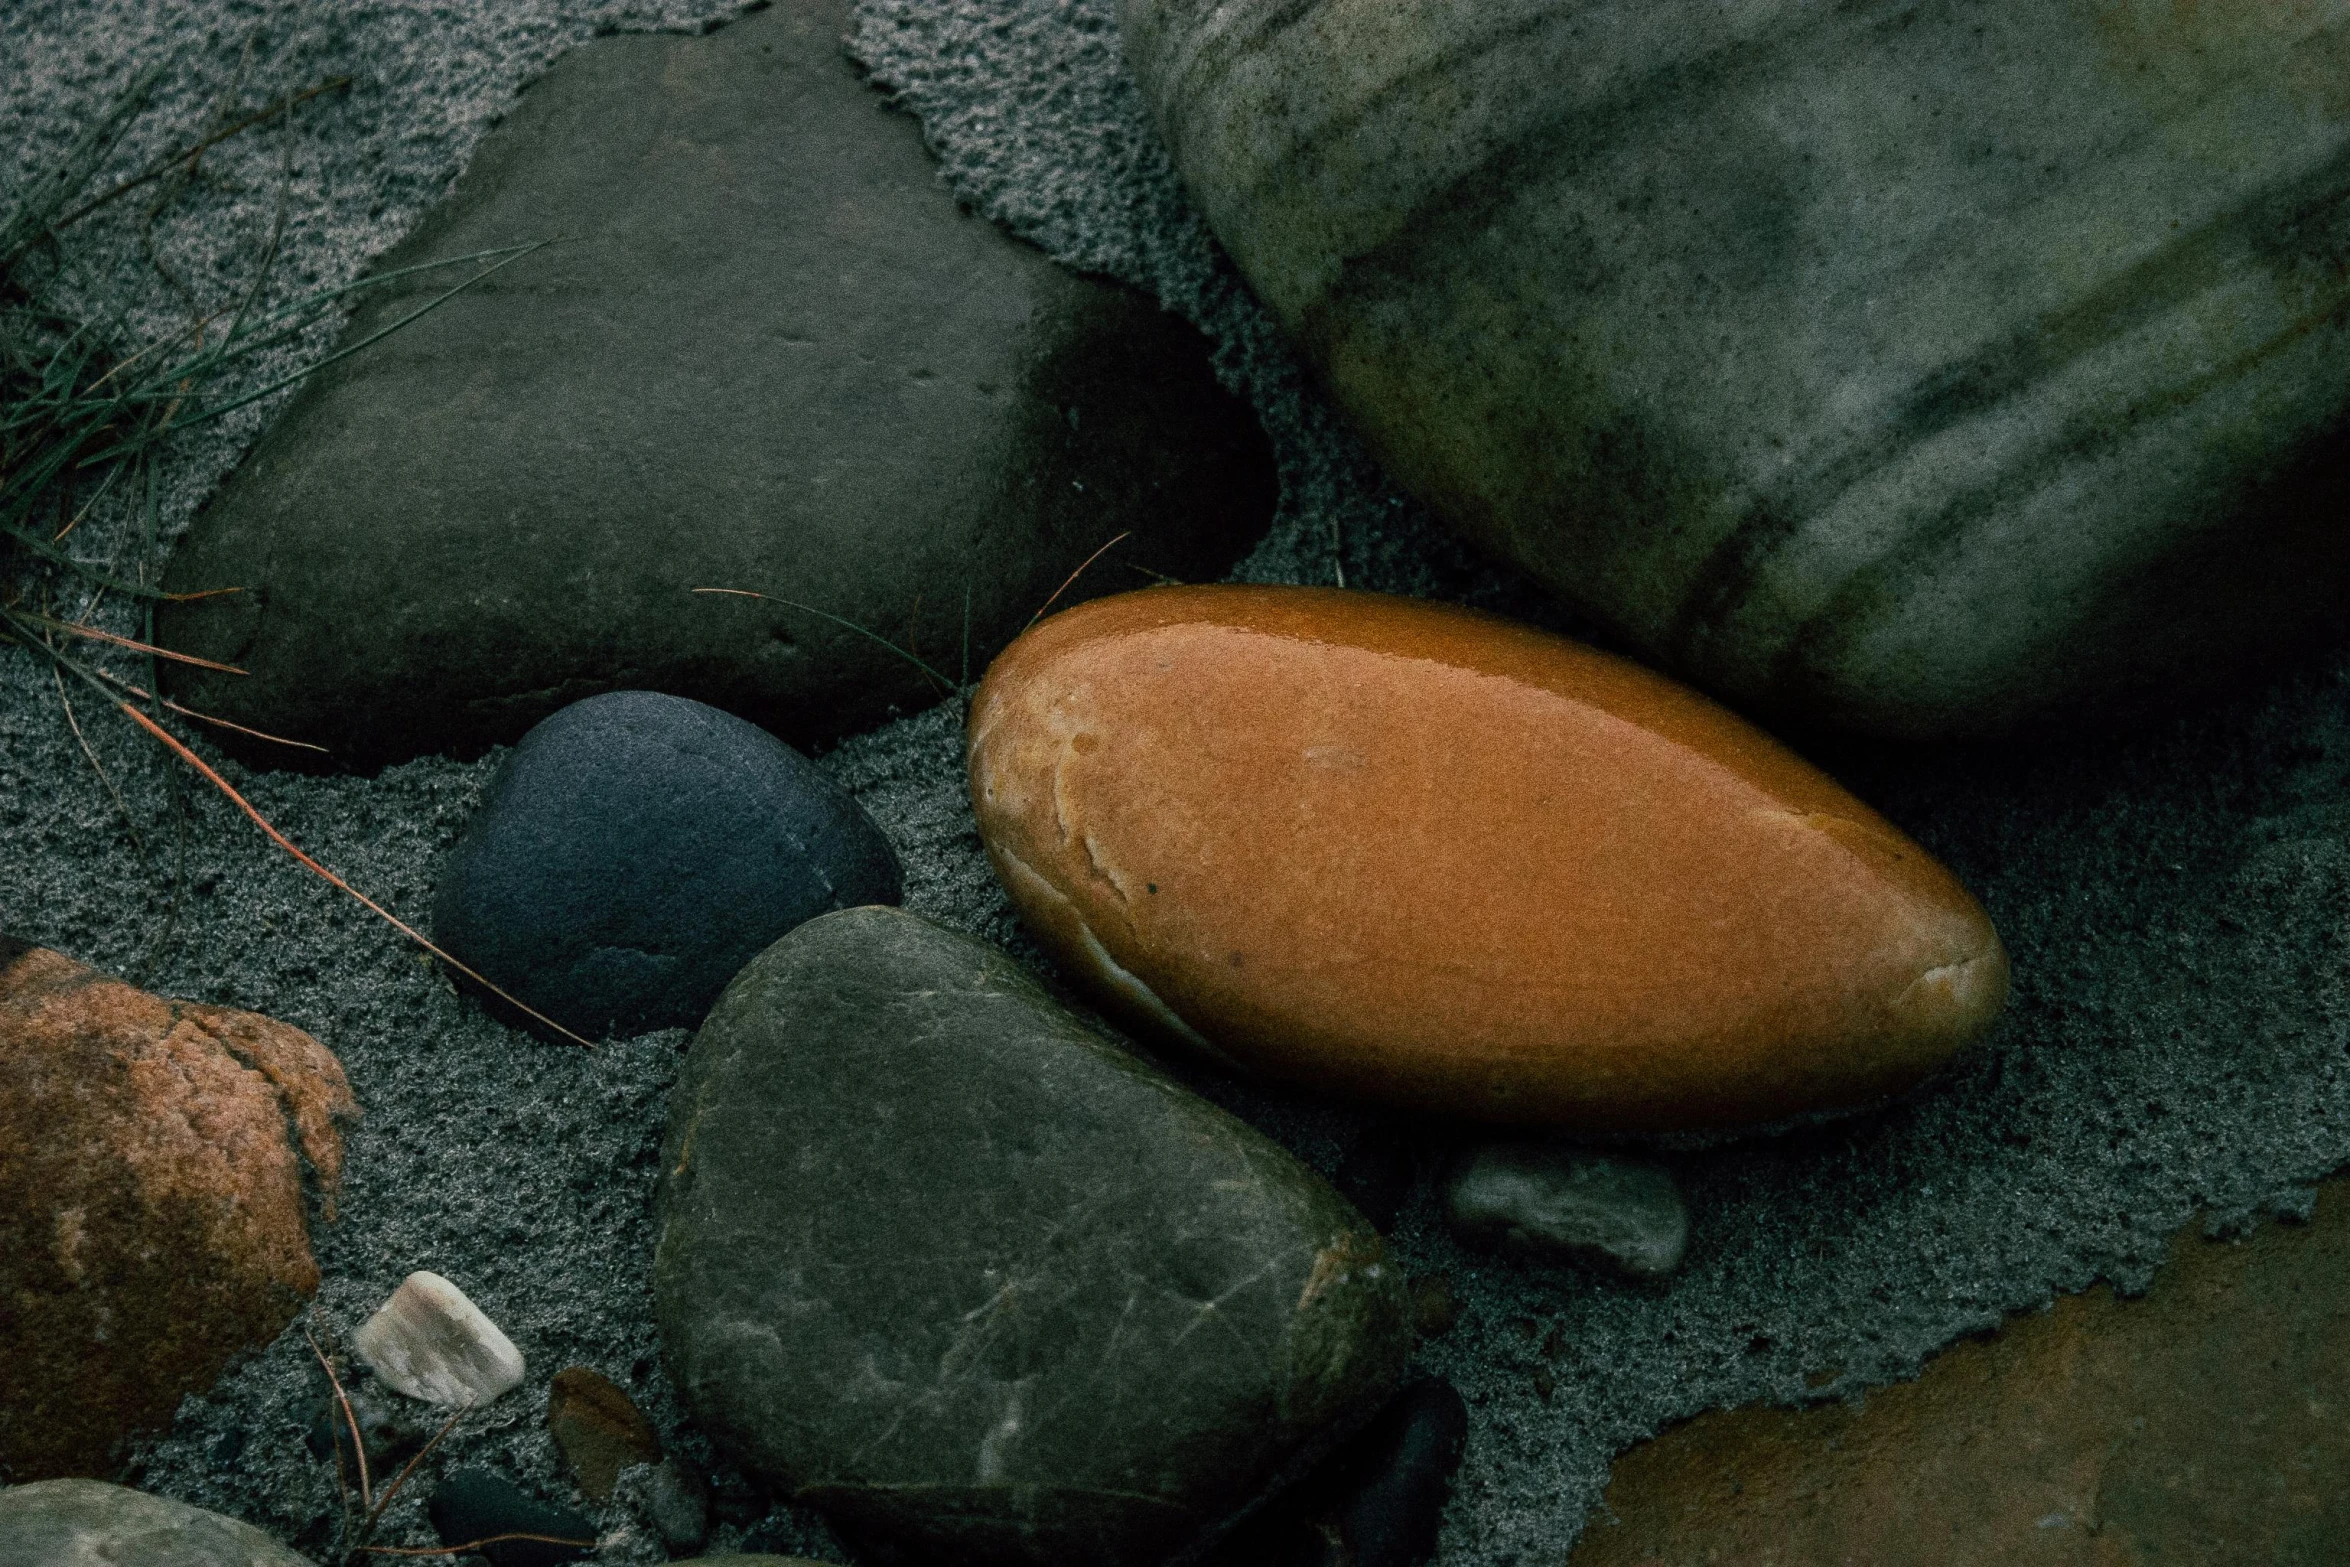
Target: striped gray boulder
pixel 1933 367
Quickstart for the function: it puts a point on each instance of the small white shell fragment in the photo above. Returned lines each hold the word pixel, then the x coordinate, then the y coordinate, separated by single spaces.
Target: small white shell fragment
pixel 432 1343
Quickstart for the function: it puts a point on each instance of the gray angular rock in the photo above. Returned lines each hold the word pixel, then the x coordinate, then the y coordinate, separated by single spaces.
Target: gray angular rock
pixel 771 354
pixel 943 1261
pixel 1559 1203
pixel 1942 370
pixel 88 1523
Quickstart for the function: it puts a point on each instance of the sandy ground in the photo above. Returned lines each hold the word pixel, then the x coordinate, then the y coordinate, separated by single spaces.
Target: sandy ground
pixel 2175 900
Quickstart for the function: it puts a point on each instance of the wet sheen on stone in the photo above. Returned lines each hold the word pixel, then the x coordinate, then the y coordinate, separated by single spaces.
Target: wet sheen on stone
pixel 1428 857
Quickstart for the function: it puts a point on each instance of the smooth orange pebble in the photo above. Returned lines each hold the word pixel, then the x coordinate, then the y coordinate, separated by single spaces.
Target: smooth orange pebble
pixel 1418 855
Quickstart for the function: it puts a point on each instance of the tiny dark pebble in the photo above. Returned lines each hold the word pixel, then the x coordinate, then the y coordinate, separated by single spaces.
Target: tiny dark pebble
pixel 473 1504
pixel 1376 1502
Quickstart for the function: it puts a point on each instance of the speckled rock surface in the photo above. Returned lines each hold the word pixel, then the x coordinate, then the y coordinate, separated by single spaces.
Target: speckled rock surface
pixel 88 1523
pixel 1451 864
pixel 636 850
pixel 1933 371
pixel 770 355
pixel 947 1263
pixel 153 1224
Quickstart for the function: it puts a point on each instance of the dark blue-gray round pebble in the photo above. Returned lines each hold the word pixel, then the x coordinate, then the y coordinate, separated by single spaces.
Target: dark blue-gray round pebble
pixel 636 850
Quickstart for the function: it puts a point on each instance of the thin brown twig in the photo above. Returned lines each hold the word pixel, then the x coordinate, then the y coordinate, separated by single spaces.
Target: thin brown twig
pixel 129 823
pixel 144 695
pixel 120 365
pixel 1074 575
pixel 845 623
pixel 282 841
pixel 95 635
pixel 223 723
pixel 343 1492
pixel 409 1468
pixel 87 506
pixel 472 1545
pixel 350 1420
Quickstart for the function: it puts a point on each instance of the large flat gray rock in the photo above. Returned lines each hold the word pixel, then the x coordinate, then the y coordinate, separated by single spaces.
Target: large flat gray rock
pixel 1945 369
pixel 770 353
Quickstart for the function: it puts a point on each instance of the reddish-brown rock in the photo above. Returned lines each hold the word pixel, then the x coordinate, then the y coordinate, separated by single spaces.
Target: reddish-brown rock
pixel 152 1218
pixel 1425 856
pixel 2208 1422
pixel 599 1429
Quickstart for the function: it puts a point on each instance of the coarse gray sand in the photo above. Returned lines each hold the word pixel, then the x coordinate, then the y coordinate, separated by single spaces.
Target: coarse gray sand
pixel 2175 900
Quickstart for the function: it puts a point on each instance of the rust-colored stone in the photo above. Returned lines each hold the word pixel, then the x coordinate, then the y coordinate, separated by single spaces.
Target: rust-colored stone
pixel 1425 856
pixel 152 1223
pixel 2207 1422
pixel 599 1428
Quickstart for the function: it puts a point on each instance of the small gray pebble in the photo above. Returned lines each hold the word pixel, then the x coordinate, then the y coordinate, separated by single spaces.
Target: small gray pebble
pixel 678 1500
pixel 1550 1201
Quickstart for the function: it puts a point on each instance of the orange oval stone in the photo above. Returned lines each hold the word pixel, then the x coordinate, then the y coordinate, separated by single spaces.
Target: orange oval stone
pixel 1415 854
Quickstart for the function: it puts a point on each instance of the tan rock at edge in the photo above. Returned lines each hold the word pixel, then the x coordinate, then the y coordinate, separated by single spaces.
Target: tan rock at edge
pixel 2208 1422
pixel 1414 854
pixel 152 1222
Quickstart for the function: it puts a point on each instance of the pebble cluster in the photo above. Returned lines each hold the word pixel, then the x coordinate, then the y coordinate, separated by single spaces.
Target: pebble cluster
pixel 958 1267
pixel 941 1255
